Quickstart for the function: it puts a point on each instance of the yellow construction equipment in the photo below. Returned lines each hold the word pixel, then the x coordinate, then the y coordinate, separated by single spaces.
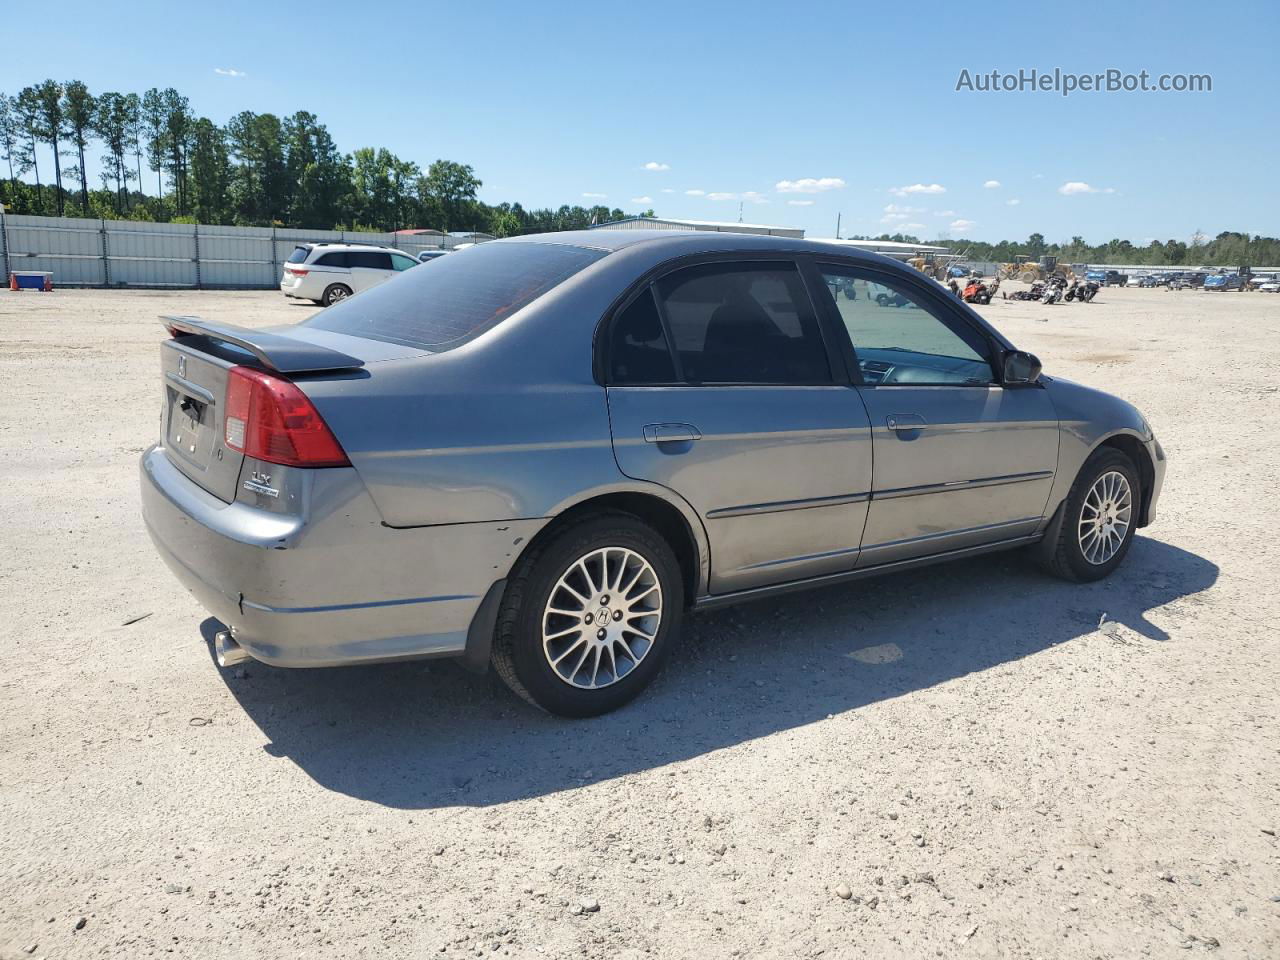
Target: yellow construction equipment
pixel 1034 272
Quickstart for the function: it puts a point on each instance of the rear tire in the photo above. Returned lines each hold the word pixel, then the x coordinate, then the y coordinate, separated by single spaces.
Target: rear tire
pixel 610 569
pixel 335 293
pixel 1099 518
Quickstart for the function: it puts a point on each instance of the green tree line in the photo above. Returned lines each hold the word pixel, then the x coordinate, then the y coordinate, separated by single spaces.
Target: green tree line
pixel 1227 249
pixel 159 161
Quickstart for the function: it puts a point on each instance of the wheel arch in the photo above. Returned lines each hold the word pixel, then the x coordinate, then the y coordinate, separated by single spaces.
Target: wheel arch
pixel 1132 447
pixel 671 517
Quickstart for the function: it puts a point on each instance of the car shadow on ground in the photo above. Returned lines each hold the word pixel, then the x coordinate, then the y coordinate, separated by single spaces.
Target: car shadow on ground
pixel 422 735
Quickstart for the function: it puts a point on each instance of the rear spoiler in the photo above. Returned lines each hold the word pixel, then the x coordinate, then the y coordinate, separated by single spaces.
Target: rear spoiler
pixel 280 353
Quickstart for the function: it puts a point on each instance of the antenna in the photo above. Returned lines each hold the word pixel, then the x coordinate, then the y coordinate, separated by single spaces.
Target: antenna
pixel 739 211
pixel 837 225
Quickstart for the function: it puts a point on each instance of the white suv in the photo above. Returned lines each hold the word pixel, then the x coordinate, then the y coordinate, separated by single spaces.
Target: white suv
pixel 328 272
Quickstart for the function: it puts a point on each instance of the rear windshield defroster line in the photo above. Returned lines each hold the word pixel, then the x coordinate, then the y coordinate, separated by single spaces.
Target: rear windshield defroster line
pixel 458 297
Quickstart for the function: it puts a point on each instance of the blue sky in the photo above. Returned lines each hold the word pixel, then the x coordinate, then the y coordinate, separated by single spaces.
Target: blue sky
pixel 796 111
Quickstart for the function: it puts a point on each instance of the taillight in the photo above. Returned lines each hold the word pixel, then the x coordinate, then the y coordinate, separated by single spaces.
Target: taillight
pixel 297 271
pixel 269 418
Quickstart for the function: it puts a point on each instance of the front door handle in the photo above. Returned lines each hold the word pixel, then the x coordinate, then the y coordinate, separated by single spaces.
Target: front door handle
pixel 900 422
pixel 670 432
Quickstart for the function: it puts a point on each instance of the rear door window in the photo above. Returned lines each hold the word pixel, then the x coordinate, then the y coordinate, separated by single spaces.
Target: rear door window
pixel 747 322
pixel 460 297
pixel 371 259
pixel 332 260
pixel 400 262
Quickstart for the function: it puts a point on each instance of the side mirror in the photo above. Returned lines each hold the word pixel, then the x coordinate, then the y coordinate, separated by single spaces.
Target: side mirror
pixel 1020 367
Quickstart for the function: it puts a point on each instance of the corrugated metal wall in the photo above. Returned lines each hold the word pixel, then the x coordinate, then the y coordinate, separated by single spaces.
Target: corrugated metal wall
pixel 127 253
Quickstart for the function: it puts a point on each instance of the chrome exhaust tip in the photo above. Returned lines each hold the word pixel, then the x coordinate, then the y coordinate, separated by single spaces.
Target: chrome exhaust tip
pixel 227 651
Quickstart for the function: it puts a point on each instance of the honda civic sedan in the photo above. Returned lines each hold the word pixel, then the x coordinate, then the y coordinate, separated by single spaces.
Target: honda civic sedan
pixel 538 453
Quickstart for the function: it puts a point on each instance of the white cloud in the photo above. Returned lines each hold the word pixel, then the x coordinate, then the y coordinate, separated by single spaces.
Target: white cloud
pixel 893 217
pixel 911 226
pixel 1072 187
pixel 655 165
pixel 229 72
pixel 899 208
pixel 1037 176
pixel 961 224
pixel 1012 203
pixel 642 199
pixel 944 213
pixel 800 203
pixel 809 185
pixel 667 190
pixel 923 188
pixel 695 193
pixel 991 185
pixel 720 195
pixel 595 196
pixel 751 196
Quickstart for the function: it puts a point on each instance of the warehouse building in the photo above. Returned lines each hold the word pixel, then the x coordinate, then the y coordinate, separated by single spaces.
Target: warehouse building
pixel 888 248
pixel 711 226
pixel 895 249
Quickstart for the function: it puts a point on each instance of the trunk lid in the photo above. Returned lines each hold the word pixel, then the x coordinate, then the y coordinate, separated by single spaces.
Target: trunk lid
pixel 193 406
pixel 194 368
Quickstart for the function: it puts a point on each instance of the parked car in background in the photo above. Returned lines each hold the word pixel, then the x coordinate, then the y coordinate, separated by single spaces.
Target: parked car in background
pixel 1223 282
pixel 327 273
pixel 427 255
pixel 1269 286
pixel 1151 280
pixel 1097 276
pixel 1114 278
pixel 543 450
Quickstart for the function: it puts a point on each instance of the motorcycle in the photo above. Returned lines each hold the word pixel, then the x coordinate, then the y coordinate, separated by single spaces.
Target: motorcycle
pixel 1053 291
pixel 1088 292
pixel 978 292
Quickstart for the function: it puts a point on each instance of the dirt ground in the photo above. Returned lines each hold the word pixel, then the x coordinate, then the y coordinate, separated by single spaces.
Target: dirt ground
pixel 993 763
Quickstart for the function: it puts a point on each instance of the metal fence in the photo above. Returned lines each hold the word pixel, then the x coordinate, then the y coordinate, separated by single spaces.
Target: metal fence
pixel 125 253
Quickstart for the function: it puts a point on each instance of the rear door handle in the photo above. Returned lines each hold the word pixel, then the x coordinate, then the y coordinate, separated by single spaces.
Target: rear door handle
pixel 904 421
pixel 670 432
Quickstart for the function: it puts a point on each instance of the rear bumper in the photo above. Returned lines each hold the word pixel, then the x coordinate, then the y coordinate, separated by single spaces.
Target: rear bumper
pixel 330 585
pixel 292 288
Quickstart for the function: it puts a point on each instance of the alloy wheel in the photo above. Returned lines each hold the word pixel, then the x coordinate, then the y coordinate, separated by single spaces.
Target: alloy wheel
pixel 1105 517
pixel 602 617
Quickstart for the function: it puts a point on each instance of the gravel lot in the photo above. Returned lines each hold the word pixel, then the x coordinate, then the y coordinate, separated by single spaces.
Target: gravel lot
pixel 970 760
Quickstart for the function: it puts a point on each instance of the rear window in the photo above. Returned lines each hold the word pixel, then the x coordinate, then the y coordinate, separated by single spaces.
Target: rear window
pixel 299 254
pixel 459 298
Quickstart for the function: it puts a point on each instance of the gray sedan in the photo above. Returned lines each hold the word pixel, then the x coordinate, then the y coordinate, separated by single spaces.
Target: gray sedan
pixel 540 452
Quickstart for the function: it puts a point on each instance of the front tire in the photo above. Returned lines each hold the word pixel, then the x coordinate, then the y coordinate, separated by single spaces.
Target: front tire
pixel 1098 521
pixel 589 616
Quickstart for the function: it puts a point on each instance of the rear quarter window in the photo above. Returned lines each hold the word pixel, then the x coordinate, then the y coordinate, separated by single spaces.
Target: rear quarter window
pixel 460 297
